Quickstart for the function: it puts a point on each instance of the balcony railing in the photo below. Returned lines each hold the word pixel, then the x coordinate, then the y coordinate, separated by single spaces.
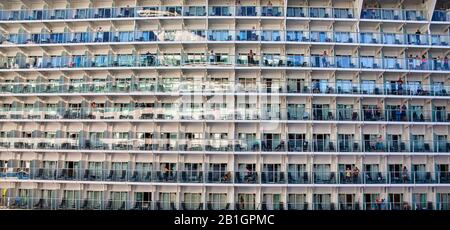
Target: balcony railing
pixel 182 86
pixel 240 177
pixel 391 205
pixel 225 145
pixel 37 203
pixel 393 14
pixel 291 36
pixel 291 113
pixel 134 12
pixel 201 60
pixel 441 16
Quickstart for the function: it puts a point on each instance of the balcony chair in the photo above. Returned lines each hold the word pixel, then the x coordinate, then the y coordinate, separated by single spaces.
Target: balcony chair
pixel 122 206
pixel 63 204
pixel 331 146
pixel 263 206
pixel 426 147
pixel 402 147
pixel 86 174
pixel 134 176
pixel 148 176
pixel 39 204
pixel 158 205
pixel 137 206
pixel 430 205
pixel 109 205
pixel 291 179
pixel 355 146
pixel 111 175
pixel 63 174
pixel 332 206
pixel 40 174
pixel 428 177
pixel 172 206
pixel 123 176
pixel 16 203
pixel 238 177
pixel 330 115
pixel 85 204
pixel 332 178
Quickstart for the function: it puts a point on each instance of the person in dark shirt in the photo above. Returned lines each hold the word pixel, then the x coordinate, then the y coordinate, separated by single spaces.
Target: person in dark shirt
pixel 418 37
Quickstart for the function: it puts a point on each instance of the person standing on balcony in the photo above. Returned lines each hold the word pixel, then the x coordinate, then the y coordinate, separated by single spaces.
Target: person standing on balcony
pixel 398 113
pixel 379 144
pixel 99 35
pixel 418 37
pixel 253 36
pixel 212 57
pixel 126 11
pixel 382 204
pixel 378 112
pixel 241 203
pixel 31 62
pixel 424 62
pixel 166 172
pixel 378 203
pixel 348 175
pixel 149 58
pixel 269 9
pixel 324 59
pixel 399 86
pixel 251 56
pixel 403 112
pixel 405 174
pixel 238 6
pixel 417 62
pixel 355 173
pixel 438 63
pixel 411 62
pixel 50 38
pixel 446 63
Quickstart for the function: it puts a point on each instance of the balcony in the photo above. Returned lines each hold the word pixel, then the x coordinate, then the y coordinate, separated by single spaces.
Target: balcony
pixel 137 12
pixel 393 14
pixel 217 206
pixel 349 206
pixel 218 177
pixel 191 206
pixel 121 61
pixel 159 87
pixel 323 206
pixel 245 205
pixel 293 112
pixel 272 206
pixel 246 177
pixel 36 203
pixel 272 177
pixel 319 12
pixel 240 145
pixel 387 205
pixel 441 16
pixel 253 35
pixel 297 206
pixel 298 177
